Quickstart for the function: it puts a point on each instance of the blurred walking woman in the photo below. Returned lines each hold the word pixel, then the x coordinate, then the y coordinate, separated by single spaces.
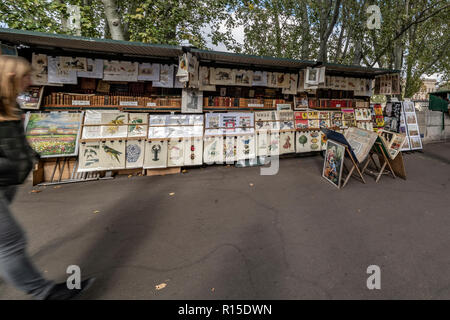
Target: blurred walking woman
pixel 16 162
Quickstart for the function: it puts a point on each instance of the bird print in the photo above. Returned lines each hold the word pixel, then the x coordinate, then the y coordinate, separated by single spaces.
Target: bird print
pixel 114 154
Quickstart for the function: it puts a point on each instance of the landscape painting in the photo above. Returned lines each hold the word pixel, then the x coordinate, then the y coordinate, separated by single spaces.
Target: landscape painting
pixel 54 134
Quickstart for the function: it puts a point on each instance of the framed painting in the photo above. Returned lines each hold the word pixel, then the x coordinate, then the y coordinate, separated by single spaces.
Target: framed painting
pixel 155 154
pixel 53 134
pixel 333 163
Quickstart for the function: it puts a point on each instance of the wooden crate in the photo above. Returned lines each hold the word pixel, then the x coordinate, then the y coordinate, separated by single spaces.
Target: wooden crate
pixel 163 172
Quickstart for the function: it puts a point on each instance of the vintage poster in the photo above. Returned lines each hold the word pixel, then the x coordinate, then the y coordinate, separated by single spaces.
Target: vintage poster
pixel 175 153
pixel 54 134
pixel 334 163
pixel 94 69
pixel 191 101
pixel 31 98
pixel 193 151
pixel 58 75
pixel 114 125
pixel 259 79
pixel 39 74
pixel 361 142
pixel 120 70
pixel 148 71
pixel 274 144
pixel 213 150
pixel 135 152
pixel 137 125
pixel 155 154
pixel 245 147
pixel 89 157
pixel 287 142
pixel 112 155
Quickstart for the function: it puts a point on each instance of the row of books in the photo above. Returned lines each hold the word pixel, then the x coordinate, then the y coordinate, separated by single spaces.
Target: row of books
pixel 68 99
pixel 334 103
pixel 242 102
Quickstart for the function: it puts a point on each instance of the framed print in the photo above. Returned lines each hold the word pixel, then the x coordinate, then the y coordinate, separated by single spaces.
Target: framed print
pixel 70 63
pixel 58 75
pixel 134 154
pixel 333 163
pixel 204 79
pixel 416 143
pixel 89 157
pixel 112 155
pixel 222 76
pixel 53 134
pixel 31 98
pixel 259 79
pixel 120 70
pixel 148 71
pixel 408 106
pixel 312 76
pixel 94 69
pixel 191 101
pixel 166 76
pixel 243 77
pixel 155 154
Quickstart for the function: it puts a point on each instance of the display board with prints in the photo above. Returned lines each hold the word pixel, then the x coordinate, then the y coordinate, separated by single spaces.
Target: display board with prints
pixel 412 125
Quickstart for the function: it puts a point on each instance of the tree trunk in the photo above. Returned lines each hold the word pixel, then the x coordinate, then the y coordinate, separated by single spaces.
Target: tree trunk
pixel 306 38
pixel 326 29
pixel 112 17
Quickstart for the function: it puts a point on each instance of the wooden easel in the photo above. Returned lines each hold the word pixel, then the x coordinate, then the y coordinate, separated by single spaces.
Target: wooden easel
pixel 353 168
pixel 383 159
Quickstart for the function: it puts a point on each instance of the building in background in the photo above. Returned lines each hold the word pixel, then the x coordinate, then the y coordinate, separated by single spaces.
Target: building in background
pixel 421 98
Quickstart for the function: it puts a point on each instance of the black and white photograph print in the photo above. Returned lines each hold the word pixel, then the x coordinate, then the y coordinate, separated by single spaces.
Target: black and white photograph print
pixel 192 101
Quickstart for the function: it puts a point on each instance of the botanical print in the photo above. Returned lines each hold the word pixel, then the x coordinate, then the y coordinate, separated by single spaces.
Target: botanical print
pixel 155 154
pixel 245 147
pixel 69 63
pixel 149 71
pixel 315 140
pixel 191 101
pixel 94 69
pixel 302 142
pixel 193 151
pixel 114 125
pixel 54 134
pixel 361 142
pixel 120 71
pixel 39 74
pixel 175 153
pixel 323 141
pixel 229 149
pixel 262 144
pixel 137 124
pixel 112 155
pixel 135 153
pixel 89 157
pixel 259 78
pixel 166 76
pixel 243 77
pixel 58 75
pixel 333 163
pixel 213 150
pixel 287 142
pixel 274 144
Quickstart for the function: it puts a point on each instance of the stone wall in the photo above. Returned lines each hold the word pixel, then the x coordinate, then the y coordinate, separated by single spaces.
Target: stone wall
pixel 430 126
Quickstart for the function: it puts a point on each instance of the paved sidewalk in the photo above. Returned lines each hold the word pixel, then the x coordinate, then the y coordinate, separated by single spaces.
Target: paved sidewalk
pixel 289 236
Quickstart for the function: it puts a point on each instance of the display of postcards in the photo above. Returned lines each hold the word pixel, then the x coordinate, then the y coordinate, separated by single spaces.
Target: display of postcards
pixel 259 78
pixel 193 151
pixel 204 79
pixel 301 124
pixel 212 120
pixel 324 123
pixel 287 125
pixel 112 155
pixel 149 71
pixel 39 73
pixel 229 149
pixel 166 76
pixel 408 106
pixel 222 76
pixel 114 125
pixel 94 69
pixel 175 153
pixel 89 157
pixel 213 150
pixel 58 75
pixel 120 71
pixel 336 119
pixel 243 77
pixel 155 154
pixel 245 147
pixel 413 130
pixel 262 144
pixel 137 124
pixel 134 154
pixel 287 142
pixel 314 123
pixel 416 143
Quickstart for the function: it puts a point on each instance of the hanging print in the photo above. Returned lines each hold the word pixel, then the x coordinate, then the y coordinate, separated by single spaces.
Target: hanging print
pixel 287 142
pixel 112 155
pixel 94 69
pixel 333 163
pixel 89 157
pixel 155 154
pixel 135 154
pixel 114 125
pixel 193 151
pixel 245 147
pixel 137 124
pixel 229 149
pixel 175 153
pixel 262 144
pixel 213 149
pixel 120 71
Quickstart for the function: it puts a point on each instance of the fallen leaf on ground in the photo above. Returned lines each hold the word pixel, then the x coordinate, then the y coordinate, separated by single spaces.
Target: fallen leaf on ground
pixel 184 171
pixel 251 184
pixel 359 210
pixel 212 289
pixel 96 211
pixel 36 191
pixel 130 176
pixel 160 286
pixel 171 194
pixel 56 187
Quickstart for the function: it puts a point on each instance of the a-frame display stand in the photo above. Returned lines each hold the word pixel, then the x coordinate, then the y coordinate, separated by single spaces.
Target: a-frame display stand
pixel 384 166
pixel 354 167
